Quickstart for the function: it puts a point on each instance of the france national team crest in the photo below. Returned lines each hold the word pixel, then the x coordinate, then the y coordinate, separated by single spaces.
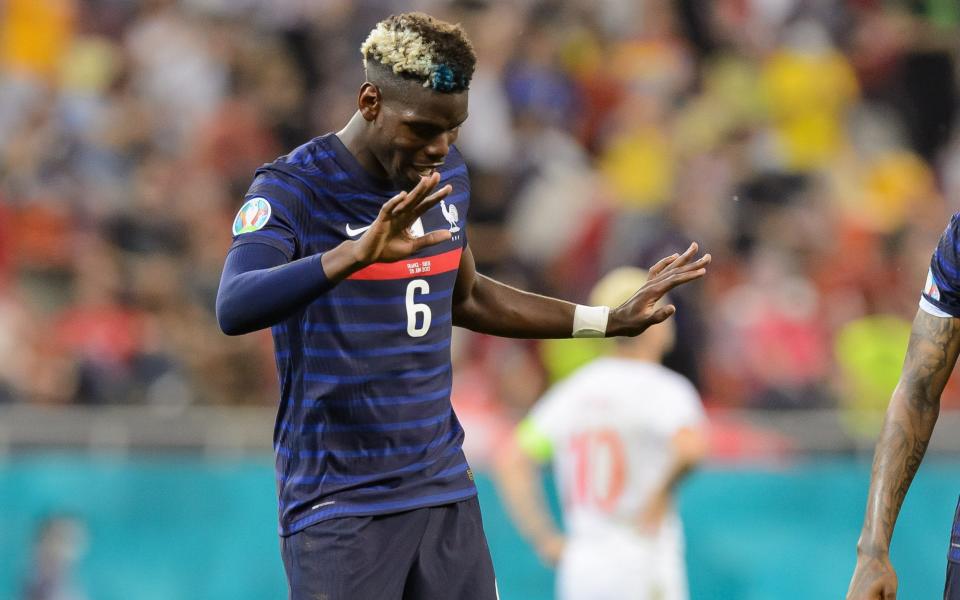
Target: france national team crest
pixel 931 288
pixel 451 215
pixel 253 215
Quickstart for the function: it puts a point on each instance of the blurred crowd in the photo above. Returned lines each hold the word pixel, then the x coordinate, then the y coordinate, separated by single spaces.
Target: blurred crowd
pixel 811 146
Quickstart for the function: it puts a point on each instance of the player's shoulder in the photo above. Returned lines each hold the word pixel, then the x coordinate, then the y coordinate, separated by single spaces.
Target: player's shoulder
pixel 681 386
pixel 635 374
pixel 950 238
pixel 952 228
pixel 570 390
pixel 941 291
pixel 308 167
pixel 282 189
pixel 947 254
pixel 667 377
pixel 590 374
pixel 316 154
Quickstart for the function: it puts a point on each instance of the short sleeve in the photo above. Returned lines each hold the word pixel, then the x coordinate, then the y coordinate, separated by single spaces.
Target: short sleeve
pixel 941 292
pixel 683 408
pixel 270 211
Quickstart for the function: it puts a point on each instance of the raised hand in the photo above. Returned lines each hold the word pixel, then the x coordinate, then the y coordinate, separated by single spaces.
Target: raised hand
pixel 873 579
pixel 389 237
pixel 639 312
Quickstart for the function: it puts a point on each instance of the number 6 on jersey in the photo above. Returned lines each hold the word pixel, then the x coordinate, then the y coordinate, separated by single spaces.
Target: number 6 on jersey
pixel 413 309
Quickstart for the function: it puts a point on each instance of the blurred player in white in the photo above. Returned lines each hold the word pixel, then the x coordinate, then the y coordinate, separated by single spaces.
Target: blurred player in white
pixel 622 432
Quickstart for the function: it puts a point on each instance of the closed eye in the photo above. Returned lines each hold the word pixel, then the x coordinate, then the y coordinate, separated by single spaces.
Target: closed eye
pixel 424 130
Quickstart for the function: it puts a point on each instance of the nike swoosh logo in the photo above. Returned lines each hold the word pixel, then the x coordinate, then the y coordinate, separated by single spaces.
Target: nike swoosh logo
pixel 352 232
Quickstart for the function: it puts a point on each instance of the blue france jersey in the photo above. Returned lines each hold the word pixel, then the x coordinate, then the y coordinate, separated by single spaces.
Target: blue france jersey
pixel 942 288
pixel 364 424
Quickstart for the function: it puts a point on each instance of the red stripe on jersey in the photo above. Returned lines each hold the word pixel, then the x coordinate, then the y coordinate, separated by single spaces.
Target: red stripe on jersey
pixel 424 266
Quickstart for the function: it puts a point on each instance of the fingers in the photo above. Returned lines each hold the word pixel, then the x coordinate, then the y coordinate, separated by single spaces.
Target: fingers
pixel 431 201
pixel 434 237
pixel 684 258
pixel 661 265
pixel 677 267
pixel 679 278
pixel 392 203
pixel 651 293
pixel 423 187
pixel 678 261
pixel 700 263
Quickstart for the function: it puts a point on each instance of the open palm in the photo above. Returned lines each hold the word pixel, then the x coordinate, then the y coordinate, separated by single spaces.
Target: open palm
pixel 638 313
pixel 389 237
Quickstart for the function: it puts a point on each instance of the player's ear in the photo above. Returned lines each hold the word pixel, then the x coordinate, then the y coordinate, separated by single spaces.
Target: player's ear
pixel 368 101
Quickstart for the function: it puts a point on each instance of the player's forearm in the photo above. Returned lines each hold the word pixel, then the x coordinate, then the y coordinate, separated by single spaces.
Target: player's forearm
pixel 903 442
pixel 498 309
pixel 518 482
pixel 679 470
pixel 259 288
pixel 911 416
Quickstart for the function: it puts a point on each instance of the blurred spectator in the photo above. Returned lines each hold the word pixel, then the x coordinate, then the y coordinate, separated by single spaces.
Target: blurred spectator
pixel 811 147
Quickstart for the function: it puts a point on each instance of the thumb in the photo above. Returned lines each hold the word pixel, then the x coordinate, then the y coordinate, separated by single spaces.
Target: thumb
pixel 662 314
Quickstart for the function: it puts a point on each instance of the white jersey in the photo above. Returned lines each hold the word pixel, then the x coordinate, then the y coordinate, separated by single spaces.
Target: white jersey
pixel 610 426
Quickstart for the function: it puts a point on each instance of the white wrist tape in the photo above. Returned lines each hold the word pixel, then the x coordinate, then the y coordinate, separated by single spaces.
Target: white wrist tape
pixel 590 321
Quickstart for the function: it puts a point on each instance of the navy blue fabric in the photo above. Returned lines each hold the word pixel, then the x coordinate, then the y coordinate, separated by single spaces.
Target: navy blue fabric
pixel 436 552
pixel 259 287
pixel 364 425
pixel 945 270
pixel 951 589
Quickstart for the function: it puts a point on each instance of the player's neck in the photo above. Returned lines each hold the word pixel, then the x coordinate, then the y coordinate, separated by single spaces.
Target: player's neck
pixel 353 136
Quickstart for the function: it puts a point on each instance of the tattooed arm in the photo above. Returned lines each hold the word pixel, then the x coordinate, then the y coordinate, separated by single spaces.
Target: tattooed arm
pixel 913 411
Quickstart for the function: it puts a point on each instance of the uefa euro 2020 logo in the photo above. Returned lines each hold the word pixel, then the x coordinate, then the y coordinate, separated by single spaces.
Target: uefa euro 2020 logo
pixel 252 216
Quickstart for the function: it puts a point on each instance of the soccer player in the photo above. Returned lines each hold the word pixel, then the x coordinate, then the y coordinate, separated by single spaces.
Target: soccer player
pixel 622 432
pixel 343 248
pixel 914 407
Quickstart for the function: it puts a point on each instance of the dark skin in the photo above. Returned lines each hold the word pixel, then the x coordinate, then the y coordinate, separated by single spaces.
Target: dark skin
pixel 401 133
pixel 911 416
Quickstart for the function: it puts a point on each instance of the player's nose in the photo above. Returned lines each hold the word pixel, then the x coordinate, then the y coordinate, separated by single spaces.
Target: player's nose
pixel 438 148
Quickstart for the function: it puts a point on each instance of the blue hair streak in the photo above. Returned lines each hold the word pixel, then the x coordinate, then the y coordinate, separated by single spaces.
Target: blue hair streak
pixel 443 79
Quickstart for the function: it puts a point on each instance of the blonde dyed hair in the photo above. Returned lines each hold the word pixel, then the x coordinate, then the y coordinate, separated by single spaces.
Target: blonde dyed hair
pixel 419 47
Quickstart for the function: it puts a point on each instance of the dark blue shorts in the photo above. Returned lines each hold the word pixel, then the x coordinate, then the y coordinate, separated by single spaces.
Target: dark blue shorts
pixel 430 553
pixel 951 591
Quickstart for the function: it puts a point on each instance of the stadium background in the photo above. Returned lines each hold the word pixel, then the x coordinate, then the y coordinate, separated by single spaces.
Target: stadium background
pixel 810 145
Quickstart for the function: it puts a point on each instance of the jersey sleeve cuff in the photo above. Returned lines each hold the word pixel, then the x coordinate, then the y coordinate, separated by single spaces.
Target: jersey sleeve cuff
pixel 928 306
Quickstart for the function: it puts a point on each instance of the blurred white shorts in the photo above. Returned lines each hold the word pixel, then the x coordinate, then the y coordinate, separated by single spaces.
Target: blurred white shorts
pixel 622 569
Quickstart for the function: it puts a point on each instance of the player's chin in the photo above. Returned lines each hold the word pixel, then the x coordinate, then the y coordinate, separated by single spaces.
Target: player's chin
pixel 406 179
pixel 413 174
